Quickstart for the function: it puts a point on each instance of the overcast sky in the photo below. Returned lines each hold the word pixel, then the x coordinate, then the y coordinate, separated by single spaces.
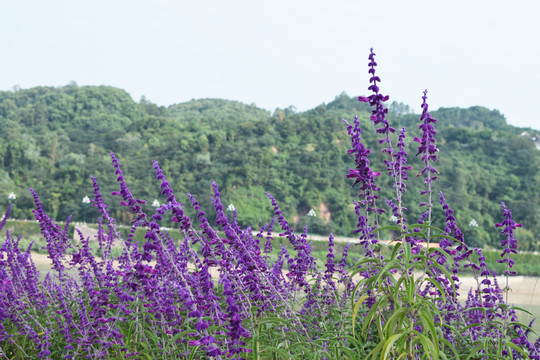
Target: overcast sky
pixel 281 52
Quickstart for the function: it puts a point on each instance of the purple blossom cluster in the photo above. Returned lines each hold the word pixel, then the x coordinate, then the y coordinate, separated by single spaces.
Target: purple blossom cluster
pixel 220 291
pixel 362 174
pixel 427 149
pixel 201 303
pixel 509 243
pixel 485 305
pixel 376 100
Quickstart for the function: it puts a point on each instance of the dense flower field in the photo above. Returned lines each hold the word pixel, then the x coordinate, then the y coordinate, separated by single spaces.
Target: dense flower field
pixel 164 300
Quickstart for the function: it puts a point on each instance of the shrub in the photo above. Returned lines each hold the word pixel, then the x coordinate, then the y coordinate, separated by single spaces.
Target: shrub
pixel 230 299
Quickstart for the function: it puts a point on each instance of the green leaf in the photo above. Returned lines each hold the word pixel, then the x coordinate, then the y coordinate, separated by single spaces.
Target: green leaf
pixel 355 310
pixel 388 345
pixel 373 354
pixel 450 346
pixel 438 286
pixel 384 272
pixel 426 226
pixel 522 309
pixel 429 348
pixel 358 268
pixel 516 348
pixel 397 246
pixel 275 350
pixel 475 350
pixel 370 315
pixel 411 234
pixel 395 319
pixel 427 321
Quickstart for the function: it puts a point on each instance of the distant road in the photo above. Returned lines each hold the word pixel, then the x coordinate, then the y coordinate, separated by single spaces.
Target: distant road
pixel 325 238
pixel 345 239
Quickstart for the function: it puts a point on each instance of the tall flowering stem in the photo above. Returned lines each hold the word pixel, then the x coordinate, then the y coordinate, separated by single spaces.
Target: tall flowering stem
pixel 399 173
pixel 376 100
pixel 396 164
pixel 128 199
pixel 509 243
pixel 363 174
pixel 429 154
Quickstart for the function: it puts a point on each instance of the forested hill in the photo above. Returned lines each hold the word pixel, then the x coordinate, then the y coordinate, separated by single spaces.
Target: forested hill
pixel 54 139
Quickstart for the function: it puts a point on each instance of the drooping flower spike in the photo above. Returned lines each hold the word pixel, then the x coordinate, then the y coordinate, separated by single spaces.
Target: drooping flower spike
pixel 427 145
pixel 376 100
pixel 509 243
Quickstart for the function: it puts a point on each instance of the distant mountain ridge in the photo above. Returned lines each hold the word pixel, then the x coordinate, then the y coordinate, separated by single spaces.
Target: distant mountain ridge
pixel 54 139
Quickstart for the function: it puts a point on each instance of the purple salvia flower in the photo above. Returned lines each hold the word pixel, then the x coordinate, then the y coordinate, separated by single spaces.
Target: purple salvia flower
pixel 152 235
pixel 236 330
pixel 344 276
pixel 365 176
pixel 269 238
pixel 396 164
pixel 43 345
pixel 362 174
pixel 246 251
pixel 221 219
pixel 260 234
pixel 98 202
pixel 509 243
pixel 399 173
pixel 362 227
pixel 396 211
pixel 367 240
pixel 129 201
pixel 428 150
pixel 176 207
pixel 166 189
pixel 56 238
pixel 277 267
pixel 427 146
pixel 400 165
pixel 376 100
pixel 304 262
pixel 330 286
pixel 6 215
pixel 461 251
pixel 330 266
pixel 101 206
pixel 68 317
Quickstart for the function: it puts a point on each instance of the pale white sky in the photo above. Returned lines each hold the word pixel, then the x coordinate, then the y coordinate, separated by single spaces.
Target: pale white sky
pixel 281 52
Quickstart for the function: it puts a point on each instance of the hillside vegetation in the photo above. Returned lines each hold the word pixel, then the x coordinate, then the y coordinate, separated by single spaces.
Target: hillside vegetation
pixel 54 139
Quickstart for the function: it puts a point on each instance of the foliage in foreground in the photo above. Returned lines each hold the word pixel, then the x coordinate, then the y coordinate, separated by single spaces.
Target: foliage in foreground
pixel 165 301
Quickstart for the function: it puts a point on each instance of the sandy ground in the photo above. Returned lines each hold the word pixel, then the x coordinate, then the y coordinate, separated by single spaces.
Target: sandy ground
pixel 523 289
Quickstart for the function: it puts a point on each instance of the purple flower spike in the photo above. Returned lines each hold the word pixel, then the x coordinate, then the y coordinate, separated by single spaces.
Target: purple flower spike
pixel 376 100
pixel 6 215
pixel 363 173
pixel 398 170
pixel 129 201
pixel 396 164
pixel 509 243
pixel 166 189
pixel 400 165
pixel 427 143
pixel 428 150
